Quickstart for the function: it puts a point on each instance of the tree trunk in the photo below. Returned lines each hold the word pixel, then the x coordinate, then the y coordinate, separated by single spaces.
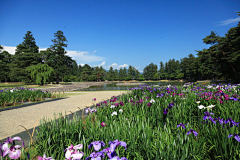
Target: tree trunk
pixel 42 82
pixel 57 78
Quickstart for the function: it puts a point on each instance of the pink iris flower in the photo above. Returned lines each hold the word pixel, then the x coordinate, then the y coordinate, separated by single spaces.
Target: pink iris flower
pixel 45 157
pixel 13 152
pixel 72 151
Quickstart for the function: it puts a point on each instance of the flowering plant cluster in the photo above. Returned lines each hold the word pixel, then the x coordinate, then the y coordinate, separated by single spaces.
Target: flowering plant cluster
pixel 13 95
pixel 146 119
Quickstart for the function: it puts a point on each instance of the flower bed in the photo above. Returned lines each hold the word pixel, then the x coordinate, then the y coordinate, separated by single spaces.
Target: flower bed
pixel 192 121
pixel 20 95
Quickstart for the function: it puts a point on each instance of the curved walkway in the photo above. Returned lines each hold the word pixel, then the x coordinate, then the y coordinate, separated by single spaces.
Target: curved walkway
pixel 27 116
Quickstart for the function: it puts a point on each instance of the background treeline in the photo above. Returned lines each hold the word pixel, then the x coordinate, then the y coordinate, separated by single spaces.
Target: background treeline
pixel 30 65
pixel 219 61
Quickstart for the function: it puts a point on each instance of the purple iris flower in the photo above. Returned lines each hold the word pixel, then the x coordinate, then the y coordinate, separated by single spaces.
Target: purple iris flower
pixel 117 158
pixel 140 101
pixel 192 131
pixel 121 103
pixel 13 152
pixel 11 141
pixel 98 104
pixel 93 110
pixel 96 145
pixel 212 119
pixel 44 157
pixel 171 105
pixel 233 98
pixel 105 102
pixel 182 125
pixel 165 111
pixel 236 136
pixel 116 143
pixel 103 124
pixel 149 104
pixel 87 110
pixel 231 122
pixel 94 99
pixel 207 115
pixel 109 152
pixel 96 156
pixel 1 153
pixel 220 120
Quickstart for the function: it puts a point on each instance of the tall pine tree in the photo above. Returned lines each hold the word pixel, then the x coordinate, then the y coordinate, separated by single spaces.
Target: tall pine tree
pixel 56 56
pixel 26 55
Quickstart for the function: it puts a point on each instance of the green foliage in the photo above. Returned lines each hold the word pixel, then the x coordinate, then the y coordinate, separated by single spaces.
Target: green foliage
pixel 149 71
pixel 110 74
pixel 162 71
pixel 40 73
pixel 156 76
pixel 141 78
pixel 26 55
pixel 28 45
pixel 56 57
pixel 14 95
pixel 180 76
pixel 147 131
pixel 5 60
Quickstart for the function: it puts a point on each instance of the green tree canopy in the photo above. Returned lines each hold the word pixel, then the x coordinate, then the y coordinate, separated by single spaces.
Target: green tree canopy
pixel 149 71
pixel 40 73
pixel 56 56
pixel 26 55
pixel 5 60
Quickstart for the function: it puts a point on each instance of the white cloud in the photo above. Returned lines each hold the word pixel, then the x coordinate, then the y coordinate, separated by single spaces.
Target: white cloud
pixel 102 64
pixel 123 65
pixel 229 21
pixel 84 56
pixel 42 49
pixel 79 56
pixel 114 65
pixel 10 49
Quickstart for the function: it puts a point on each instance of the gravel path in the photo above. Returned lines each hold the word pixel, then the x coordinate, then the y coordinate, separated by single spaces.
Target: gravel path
pixel 27 116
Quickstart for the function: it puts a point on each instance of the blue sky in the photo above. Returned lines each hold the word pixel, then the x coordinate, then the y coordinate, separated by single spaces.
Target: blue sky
pixel 118 33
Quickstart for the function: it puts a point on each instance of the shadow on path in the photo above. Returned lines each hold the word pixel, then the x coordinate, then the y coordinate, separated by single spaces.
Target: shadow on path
pixel 31 104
